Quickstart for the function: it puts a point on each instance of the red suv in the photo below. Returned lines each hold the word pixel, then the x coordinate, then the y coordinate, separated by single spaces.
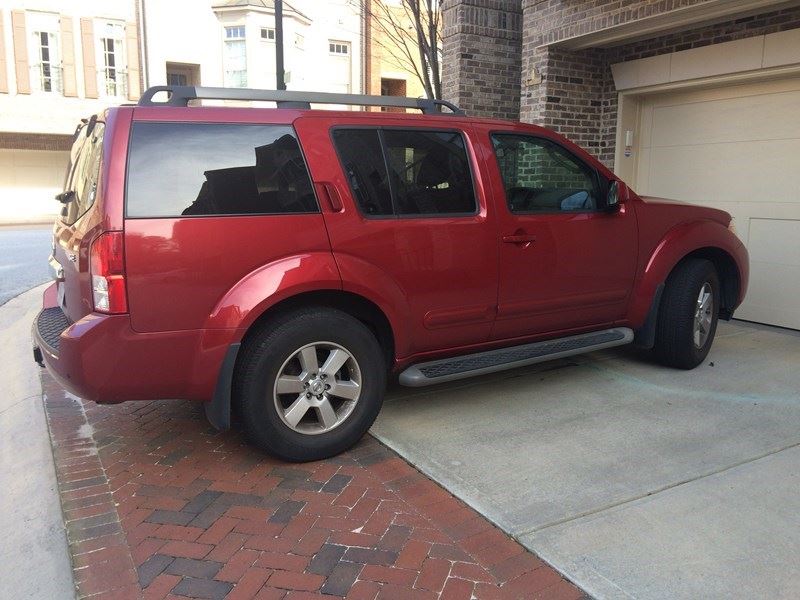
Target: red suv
pixel 281 263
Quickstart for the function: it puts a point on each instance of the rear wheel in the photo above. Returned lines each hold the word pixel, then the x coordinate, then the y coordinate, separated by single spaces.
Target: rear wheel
pixel 687 318
pixel 310 384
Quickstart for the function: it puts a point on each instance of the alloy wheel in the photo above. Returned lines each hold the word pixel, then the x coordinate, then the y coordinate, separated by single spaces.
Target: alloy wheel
pixel 317 388
pixel 703 315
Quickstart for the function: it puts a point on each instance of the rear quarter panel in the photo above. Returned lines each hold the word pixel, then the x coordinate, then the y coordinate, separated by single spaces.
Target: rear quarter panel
pixel 220 271
pixel 201 272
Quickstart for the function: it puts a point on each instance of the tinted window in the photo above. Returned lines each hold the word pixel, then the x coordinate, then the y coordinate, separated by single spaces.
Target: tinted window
pixel 541 176
pixel 87 155
pixel 179 169
pixel 429 172
pixel 362 160
pixel 406 172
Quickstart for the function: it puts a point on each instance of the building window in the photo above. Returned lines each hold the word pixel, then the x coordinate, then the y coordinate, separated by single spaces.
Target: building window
pixel 44 51
pixel 268 34
pixel 112 72
pixel 46 72
pixel 234 33
pixel 340 48
pixel 235 58
pixel 177 79
pixel 183 74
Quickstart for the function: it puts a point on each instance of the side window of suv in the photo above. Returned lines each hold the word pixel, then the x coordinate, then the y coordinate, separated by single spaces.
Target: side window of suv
pixel 541 176
pixel 85 173
pixel 407 172
pixel 202 169
pixel 362 160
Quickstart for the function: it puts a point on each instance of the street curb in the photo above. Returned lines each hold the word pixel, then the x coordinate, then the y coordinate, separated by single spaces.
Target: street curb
pixel 34 554
pixel 101 557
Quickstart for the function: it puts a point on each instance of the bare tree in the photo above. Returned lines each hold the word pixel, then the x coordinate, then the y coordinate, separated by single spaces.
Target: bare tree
pixel 411 37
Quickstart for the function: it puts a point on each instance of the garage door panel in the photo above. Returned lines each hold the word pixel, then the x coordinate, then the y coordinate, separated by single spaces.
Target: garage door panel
pixel 774 295
pixel 720 121
pixel 775 241
pixel 757 171
pixel 771 303
pixel 735 148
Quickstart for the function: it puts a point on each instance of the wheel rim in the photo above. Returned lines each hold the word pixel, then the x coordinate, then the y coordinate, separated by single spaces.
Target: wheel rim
pixel 317 388
pixel 703 315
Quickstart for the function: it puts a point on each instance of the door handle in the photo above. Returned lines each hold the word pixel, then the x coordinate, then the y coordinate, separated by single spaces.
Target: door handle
pixel 332 195
pixel 524 239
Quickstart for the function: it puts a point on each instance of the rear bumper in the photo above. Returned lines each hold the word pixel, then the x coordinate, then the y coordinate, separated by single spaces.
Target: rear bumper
pixel 101 358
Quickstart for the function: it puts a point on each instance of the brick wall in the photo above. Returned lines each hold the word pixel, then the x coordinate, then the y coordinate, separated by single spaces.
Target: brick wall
pixel 569 91
pixel 481 56
pixel 35 141
pixel 576 95
pixel 737 29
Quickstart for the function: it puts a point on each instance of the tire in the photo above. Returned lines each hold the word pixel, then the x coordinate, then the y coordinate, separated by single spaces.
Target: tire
pixel 676 334
pixel 285 347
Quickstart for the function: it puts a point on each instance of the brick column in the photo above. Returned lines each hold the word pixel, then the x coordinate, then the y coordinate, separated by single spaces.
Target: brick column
pixel 481 56
pixel 564 90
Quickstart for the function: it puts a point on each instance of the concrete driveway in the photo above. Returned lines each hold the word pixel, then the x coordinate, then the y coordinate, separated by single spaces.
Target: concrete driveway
pixel 633 480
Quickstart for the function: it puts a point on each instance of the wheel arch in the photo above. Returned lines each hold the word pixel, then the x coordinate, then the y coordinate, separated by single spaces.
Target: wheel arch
pixel 729 277
pixel 358 307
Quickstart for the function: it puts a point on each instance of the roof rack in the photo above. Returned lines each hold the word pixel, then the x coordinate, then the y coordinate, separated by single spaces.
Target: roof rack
pixel 178 95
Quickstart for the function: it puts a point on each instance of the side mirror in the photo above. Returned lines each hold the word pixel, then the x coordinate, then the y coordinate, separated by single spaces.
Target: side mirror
pixel 612 198
pixel 66 197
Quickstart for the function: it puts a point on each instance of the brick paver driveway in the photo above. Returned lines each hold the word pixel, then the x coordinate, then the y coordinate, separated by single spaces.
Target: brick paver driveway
pixel 158 504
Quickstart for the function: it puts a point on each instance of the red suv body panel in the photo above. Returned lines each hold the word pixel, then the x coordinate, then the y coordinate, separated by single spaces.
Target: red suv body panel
pixel 436 274
pixel 446 285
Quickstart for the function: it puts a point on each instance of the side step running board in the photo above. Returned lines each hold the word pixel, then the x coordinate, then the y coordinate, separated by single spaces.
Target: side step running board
pixel 469 365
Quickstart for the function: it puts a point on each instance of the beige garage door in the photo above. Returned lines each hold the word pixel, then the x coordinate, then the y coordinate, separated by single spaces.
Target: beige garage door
pixel 735 148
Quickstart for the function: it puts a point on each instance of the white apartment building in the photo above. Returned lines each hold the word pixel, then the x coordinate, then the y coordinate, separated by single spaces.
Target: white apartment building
pixel 61 61
pixel 231 43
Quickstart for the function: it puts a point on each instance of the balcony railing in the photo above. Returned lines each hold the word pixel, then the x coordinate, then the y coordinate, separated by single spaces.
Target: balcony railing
pixel 113 81
pixel 47 77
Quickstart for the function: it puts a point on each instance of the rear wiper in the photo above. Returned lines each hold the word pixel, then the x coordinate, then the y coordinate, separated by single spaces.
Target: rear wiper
pixel 66 197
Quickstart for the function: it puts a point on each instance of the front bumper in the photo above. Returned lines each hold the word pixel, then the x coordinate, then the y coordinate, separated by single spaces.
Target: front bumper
pixel 101 358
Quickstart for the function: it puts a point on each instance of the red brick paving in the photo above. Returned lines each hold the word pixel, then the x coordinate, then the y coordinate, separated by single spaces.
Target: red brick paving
pixel 159 505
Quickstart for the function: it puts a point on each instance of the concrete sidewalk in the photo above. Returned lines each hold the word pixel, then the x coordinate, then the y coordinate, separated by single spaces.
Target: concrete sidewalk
pixel 631 479
pixel 33 552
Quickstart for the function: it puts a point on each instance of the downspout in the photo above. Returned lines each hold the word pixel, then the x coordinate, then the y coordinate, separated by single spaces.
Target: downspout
pixel 145 72
pixel 366 68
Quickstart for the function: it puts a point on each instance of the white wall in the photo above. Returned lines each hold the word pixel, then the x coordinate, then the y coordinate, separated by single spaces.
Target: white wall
pixel 189 31
pixel 28 181
pixel 182 31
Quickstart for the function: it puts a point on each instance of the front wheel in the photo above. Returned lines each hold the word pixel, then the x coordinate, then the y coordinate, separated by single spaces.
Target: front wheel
pixel 310 384
pixel 687 318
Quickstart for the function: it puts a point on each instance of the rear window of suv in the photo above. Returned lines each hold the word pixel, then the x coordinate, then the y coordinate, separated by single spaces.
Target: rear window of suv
pixel 197 169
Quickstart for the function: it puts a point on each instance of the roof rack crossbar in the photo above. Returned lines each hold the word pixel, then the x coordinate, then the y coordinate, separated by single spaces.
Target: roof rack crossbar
pixel 178 95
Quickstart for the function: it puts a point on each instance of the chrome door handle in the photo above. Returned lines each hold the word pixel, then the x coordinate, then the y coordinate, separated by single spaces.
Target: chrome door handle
pixel 519 238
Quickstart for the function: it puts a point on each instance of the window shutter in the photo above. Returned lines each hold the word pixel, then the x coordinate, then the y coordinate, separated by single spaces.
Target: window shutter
pixel 132 53
pixel 21 52
pixel 68 57
pixel 3 72
pixel 89 68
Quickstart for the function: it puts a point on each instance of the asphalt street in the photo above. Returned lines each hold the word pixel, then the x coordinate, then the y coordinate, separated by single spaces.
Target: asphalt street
pixel 23 259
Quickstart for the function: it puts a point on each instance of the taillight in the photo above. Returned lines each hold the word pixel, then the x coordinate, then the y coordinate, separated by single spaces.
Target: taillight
pixel 108 273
